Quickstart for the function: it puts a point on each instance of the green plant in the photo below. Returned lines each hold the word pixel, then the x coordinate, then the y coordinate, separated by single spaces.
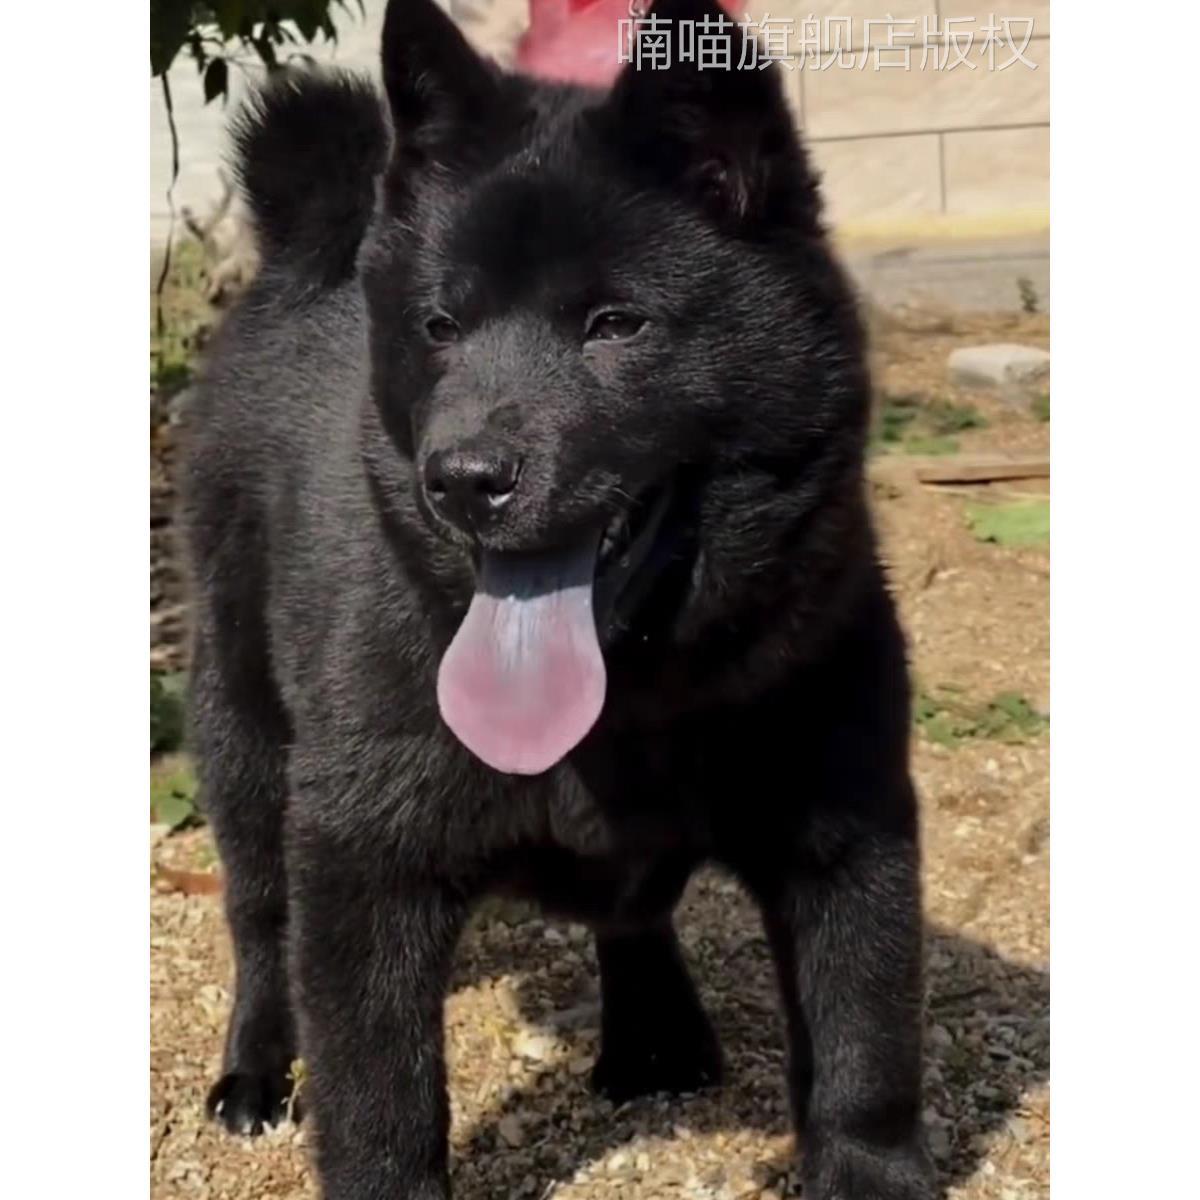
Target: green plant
pixel 222 33
pixel 896 414
pixel 945 716
pixel 183 321
pixel 930 446
pixel 1028 294
pixel 936 721
pixel 947 417
pixel 1040 407
pixel 298 1074
pixel 1021 523
pixel 166 711
pixel 173 788
pixel 909 423
pixel 1010 717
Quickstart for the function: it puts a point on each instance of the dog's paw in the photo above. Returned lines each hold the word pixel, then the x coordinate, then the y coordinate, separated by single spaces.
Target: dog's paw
pixel 244 1103
pixel 676 1065
pixel 846 1171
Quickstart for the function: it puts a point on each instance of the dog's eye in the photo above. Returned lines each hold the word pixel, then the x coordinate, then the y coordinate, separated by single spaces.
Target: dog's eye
pixel 613 327
pixel 442 330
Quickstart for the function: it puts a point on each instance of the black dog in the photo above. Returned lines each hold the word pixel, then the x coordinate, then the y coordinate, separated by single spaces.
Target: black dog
pixel 526 513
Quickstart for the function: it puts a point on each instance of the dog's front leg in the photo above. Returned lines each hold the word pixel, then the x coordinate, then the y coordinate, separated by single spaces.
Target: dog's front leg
pixel 371 954
pixel 847 942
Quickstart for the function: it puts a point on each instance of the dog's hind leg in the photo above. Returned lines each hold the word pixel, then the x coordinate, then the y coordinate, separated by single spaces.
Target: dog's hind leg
pixel 240 734
pixel 655 1036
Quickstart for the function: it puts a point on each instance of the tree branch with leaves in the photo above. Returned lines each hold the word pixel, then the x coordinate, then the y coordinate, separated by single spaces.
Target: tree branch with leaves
pixel 227 34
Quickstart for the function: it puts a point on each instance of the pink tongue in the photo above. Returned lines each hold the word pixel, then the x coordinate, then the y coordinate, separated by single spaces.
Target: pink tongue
pixel 523 680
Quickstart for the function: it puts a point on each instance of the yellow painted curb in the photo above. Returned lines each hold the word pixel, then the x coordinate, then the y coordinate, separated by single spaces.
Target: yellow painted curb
pixel 938 226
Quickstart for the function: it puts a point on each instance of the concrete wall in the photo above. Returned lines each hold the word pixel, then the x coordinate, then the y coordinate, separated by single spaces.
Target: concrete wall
pixel 968 139
pixel 929 144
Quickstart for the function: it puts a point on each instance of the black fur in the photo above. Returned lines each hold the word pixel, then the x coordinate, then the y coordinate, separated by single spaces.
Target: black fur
pixel 757 714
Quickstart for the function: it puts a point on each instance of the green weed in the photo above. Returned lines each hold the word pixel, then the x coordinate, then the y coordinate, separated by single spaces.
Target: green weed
pixel 1021 523
pixel 180 320
pixel 173 790
pixel 910 424
pixel 945 716
pixel 166 711
pixel 1028 294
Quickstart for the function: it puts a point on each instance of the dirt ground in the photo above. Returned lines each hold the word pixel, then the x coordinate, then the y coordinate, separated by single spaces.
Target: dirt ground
pixel 522 1017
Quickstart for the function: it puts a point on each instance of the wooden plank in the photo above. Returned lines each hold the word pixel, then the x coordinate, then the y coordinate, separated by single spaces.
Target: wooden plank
pixel 981 468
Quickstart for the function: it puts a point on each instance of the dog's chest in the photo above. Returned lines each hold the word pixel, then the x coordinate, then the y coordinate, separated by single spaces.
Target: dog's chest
pixel 641 800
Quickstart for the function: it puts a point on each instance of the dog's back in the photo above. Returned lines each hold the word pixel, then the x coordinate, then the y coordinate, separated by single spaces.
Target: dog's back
pixel 288 363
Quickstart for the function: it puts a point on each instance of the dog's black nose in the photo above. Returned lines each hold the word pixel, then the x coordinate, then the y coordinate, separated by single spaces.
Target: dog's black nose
pixel 469 487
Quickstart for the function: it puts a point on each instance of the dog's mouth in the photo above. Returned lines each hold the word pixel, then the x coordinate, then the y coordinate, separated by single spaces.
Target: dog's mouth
pixel 634 548
pixel 524 679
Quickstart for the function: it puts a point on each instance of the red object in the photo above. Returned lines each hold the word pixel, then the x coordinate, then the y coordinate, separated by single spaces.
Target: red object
pixel 577 40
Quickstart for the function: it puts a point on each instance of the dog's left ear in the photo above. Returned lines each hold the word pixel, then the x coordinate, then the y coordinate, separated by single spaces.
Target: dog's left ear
pixel 440 91
pixel 723 131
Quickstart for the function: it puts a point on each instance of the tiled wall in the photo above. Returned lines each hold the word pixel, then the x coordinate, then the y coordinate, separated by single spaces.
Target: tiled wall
pixel 940 137
pixel 890 142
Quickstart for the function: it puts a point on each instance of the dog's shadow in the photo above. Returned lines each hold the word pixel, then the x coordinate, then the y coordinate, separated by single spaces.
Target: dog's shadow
pixel 987 1047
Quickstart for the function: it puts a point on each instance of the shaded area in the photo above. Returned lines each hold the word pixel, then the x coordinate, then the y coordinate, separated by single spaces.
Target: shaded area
pixel 987 1048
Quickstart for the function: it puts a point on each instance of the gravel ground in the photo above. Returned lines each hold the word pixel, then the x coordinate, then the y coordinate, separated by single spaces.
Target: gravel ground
pixel 522 1017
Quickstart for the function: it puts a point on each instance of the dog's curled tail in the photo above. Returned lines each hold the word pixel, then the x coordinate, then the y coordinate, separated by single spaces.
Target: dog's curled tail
pixel 308 147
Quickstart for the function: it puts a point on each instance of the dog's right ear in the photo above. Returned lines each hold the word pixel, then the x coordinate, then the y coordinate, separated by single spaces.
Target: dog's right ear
pixel 723 133
pixel 439 89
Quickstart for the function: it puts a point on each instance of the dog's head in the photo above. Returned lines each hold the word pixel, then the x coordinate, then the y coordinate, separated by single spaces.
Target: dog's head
pixel 608 334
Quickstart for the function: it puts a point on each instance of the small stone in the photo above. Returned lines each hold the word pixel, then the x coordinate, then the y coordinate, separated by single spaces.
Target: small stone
pixel 642 1162
pixel 742 1187
pixel 1018 1129
pixel 510 1130
pixel 535 1047
pixel 579 1066
pixel 578 1016
pixel 939 1035
pixel 617 1161
pixel 939 1142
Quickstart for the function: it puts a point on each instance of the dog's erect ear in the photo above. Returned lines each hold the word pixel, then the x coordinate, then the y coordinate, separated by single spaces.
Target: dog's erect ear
pixel 720 128
pixel 439 89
